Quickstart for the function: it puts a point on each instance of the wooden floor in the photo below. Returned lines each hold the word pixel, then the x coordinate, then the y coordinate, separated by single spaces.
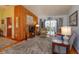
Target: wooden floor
pixel 72 51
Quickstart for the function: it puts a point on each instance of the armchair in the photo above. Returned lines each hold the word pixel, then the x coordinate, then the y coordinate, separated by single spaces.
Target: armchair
pixel 68 45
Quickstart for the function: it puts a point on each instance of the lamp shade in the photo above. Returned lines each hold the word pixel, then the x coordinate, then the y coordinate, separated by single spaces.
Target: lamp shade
pixel 66 30
pixel 37 25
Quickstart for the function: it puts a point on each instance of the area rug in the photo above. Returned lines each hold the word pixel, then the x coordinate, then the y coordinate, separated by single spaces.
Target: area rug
pixel 34 45
pixel 5 42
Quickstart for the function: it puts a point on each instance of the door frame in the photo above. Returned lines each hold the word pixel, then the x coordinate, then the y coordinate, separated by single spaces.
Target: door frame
pixel 7 27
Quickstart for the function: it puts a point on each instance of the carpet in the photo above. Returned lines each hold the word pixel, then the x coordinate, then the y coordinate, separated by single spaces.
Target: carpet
pixel 5 42
pixel 34 45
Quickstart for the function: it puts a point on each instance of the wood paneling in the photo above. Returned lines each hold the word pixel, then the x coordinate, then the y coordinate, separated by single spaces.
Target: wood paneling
pixel 21 13
pixel 20 30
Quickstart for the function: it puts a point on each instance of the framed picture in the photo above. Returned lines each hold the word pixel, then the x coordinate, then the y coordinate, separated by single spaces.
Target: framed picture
pixel 73 19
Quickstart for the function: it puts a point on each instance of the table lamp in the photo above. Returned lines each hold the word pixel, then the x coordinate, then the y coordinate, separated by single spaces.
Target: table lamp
pixel 37 25
pixel 66 30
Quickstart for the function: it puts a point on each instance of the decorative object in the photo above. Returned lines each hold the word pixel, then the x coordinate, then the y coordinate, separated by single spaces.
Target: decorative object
pixel 65 30
pixel 73 19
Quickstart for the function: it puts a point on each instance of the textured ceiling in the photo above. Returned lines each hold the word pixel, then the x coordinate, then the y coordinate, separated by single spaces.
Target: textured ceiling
pixel 49 10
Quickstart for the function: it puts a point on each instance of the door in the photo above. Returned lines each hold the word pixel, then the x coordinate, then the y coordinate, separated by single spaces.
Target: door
pixel 9 27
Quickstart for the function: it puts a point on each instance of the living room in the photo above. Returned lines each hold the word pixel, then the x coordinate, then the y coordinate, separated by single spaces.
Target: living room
pixel 28 26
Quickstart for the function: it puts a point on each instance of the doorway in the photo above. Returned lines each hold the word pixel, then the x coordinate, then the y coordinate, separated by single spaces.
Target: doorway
pixel 9 27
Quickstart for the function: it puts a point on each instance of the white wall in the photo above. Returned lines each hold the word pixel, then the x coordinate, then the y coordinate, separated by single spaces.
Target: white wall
pixel 65 18
pixel 76 28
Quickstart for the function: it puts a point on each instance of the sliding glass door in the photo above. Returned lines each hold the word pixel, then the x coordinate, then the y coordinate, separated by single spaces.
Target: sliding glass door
pixel 51 26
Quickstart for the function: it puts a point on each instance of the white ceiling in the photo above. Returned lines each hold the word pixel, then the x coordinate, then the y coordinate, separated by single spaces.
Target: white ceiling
pixel 49 10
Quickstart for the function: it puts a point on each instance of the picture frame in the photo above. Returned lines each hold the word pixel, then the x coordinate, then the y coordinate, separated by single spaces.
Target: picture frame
pixel 73 19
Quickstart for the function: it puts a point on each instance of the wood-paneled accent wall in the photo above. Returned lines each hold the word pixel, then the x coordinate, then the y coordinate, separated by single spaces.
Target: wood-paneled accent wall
pixel 20 13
